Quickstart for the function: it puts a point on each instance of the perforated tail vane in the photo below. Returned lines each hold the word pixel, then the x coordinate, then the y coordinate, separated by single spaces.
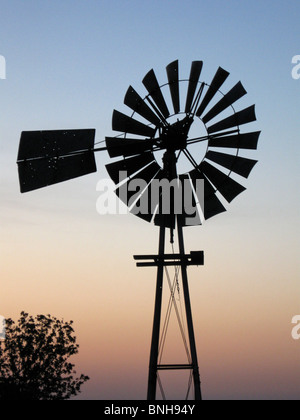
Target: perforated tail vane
pixel 50 157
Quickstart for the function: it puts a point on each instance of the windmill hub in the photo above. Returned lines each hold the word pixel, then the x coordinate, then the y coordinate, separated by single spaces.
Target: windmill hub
pixel 174 137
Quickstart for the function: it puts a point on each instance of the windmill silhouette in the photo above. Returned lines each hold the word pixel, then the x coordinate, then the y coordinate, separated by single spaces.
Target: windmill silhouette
pixel 151 142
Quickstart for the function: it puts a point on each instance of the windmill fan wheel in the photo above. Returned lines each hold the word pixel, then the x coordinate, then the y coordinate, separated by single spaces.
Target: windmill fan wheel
pixel 162 121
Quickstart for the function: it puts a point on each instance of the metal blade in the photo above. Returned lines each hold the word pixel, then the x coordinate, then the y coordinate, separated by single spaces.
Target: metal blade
pixel 146 217
pixel 151 84
pixel 164 215
pixel 39 173
pixel 190 215
pixel 125 193
pixel 238 141
pixel 136 103
pixel 54 143
pixel 127 147
pixel 123 123
pixel 130 166
pixel 237 164
pixel 232 96
pixel 245 116
pixel 228 187
pixel 152 200
pixel 212 205
pixel 218 80
pixel 173 78
pixel 195 72
pixel 136 209
pixel 181 204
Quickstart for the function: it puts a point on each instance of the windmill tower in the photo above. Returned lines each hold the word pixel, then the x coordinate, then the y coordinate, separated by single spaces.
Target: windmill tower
pixel 152 141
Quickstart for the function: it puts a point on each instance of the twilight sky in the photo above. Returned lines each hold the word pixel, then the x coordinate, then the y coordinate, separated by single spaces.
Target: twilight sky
pixel 68 65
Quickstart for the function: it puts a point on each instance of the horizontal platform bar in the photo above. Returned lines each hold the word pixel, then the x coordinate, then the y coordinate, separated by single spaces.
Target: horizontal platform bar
pixel 194 258
pixel 165 264
pixel 174 367
pixel 164 256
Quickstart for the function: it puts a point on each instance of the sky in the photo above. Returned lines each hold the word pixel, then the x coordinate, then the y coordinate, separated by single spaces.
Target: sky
pixel 68 64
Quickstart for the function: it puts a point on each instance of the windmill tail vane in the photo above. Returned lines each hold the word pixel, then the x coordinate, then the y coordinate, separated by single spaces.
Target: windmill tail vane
pixel 164 131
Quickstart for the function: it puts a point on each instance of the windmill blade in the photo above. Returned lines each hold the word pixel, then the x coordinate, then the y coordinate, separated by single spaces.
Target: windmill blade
pixel 123 123
pixel 39 173
pixel 136 103
pixel 212 205
pixel 146 217
pixel 218 80
pixel 151 84
pixel 238 141
pixel 195 72
pixel 136 209
pixel 125 193
pixel 173 78
pixel 232 96
pixel 148 200
pixel 127 147
pixel 237 164
pixel 227 186
pixel 130 166
pixel 190 214
pixel 245 116
pixel 49 157
pixel 171 204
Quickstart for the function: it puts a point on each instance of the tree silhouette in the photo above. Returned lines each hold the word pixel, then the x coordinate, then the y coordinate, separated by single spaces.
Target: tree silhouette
pixel 34 359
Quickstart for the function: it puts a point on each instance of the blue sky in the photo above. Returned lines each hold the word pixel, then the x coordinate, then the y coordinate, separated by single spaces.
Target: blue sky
pixel 69 64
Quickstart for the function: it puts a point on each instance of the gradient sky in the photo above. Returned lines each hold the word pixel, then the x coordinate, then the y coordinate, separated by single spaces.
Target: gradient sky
pixel 68 65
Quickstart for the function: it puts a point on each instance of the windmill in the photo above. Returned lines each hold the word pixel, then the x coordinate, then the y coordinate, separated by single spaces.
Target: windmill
pixel 152 140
